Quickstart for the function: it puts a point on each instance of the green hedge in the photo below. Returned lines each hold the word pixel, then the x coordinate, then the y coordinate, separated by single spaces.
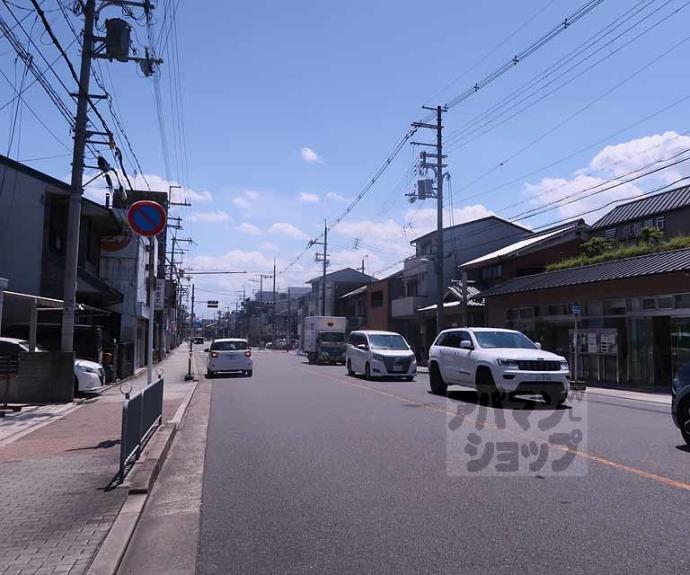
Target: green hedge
pixel 618 252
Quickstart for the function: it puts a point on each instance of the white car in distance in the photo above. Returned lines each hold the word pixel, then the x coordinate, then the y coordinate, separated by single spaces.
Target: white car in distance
pixel 229 355
pixel 497 363
pixel 380 354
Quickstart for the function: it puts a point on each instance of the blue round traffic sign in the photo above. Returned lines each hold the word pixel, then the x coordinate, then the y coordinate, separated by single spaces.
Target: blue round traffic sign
pixel 146 218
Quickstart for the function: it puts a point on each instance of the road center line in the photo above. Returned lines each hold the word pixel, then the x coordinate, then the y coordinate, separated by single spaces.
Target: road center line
pixel 589 456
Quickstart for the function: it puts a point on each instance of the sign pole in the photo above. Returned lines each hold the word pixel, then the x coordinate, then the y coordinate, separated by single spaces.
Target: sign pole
pixel 153 249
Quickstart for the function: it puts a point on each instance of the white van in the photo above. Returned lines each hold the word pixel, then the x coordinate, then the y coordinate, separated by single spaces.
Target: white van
pixel 380 354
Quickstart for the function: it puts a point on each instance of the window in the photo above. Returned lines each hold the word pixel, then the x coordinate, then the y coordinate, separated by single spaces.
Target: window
pixel 666 302
pixel 626 232
pixel 610 234
pixel 387 341
pixel 451 339
pixel 503 340
pixel 682 300
pixel 411 288
pixel 492 272
pixel 331 337
pixel 648 303
pixel 377 299
pixel 660 222
pixel 228 345
pixel 614 307
pixel 465 336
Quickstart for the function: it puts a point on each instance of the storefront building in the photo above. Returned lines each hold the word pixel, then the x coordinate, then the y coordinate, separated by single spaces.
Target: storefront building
pixel 632 316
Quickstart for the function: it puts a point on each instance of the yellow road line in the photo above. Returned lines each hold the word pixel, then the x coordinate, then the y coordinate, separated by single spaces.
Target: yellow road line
pixel 589 456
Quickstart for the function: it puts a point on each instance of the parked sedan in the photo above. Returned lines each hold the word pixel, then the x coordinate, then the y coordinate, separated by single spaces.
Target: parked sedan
pixel 229 355
pixel 89 376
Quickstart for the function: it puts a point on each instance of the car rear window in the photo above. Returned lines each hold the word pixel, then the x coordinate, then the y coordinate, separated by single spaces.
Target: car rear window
pixel 228 345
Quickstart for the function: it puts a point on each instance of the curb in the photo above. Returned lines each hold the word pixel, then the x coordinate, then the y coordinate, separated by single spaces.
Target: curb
pixel 142 478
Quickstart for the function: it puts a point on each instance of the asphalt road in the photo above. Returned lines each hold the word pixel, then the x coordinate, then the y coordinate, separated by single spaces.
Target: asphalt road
pixel 311 471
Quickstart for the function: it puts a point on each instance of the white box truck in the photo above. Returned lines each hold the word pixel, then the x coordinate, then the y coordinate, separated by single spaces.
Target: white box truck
pixel 324 338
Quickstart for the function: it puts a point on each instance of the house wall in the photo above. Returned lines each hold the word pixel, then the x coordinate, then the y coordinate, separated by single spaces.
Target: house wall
pixel 21 229
pixel 630 332
pixel 378 305
pixel 673 223
pixel 498 306
pixel 529 263
pixel 461 244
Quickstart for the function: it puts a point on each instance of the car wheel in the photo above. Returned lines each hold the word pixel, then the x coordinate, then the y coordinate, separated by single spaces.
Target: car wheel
pixel 249 372
pixel 684 419
pixel 349 368
pixel 367 372
pixel 76 386
pixel 555 398
pixel 408 378
pixel 486 388
pixel 438 386
pixel 210 374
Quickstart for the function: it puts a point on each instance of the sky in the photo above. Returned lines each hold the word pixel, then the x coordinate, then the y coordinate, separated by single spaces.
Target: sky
pixel 289 108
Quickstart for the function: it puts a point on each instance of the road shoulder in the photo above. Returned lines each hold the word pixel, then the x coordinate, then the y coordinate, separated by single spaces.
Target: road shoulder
pixel 166 537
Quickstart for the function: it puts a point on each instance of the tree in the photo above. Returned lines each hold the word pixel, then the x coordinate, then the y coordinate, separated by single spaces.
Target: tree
pixel 652 236
pixel 595 247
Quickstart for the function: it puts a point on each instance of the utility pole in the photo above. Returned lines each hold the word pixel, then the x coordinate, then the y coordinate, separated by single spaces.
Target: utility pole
pixel 74 214
pixel 322 258
pixel 115 46
pixel 288 325
pixel 423 192
pixel 273 309
pixel 189 375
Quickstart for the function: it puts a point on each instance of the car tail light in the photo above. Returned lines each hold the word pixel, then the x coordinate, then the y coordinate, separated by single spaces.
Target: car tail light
pixel 248 353
pixel 214 354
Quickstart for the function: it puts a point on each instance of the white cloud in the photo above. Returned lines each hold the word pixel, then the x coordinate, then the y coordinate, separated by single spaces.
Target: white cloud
pixel 310 156
pixel 337 197
pixel 248 228
pixel 589 190
pixel 242 202
pixel 309 198
pixel 286 229
pixel 211 217
pixel 268 246
pixel 156 183
pixel 245 199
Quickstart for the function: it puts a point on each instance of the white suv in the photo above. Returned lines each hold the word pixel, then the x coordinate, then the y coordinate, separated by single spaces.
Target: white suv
pixel 497 363
pixel 380 354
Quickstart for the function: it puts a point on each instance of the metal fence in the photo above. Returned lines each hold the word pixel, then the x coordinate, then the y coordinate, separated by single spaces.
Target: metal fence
pixel 141 412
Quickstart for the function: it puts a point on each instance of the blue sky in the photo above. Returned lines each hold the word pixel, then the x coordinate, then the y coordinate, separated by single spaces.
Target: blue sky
pixel 262 82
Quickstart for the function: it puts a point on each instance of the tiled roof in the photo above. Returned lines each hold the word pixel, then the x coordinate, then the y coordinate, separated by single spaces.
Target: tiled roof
pixel 650 264
pixel 649 206
pixel 525 243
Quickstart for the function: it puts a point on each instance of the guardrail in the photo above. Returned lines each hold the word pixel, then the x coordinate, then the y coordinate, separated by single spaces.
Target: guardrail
pixel 141 412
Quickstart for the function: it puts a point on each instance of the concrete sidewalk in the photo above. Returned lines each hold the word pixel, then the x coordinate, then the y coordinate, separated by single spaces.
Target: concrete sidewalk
pixel 58 508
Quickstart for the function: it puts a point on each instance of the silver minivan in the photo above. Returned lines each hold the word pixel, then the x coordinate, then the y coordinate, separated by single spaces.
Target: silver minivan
pixel 380 354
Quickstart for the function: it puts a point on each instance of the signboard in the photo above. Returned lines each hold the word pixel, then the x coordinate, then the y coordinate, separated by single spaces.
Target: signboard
pixel 146 218
pixel 576 310
pixel 159 295
pixel 212 303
